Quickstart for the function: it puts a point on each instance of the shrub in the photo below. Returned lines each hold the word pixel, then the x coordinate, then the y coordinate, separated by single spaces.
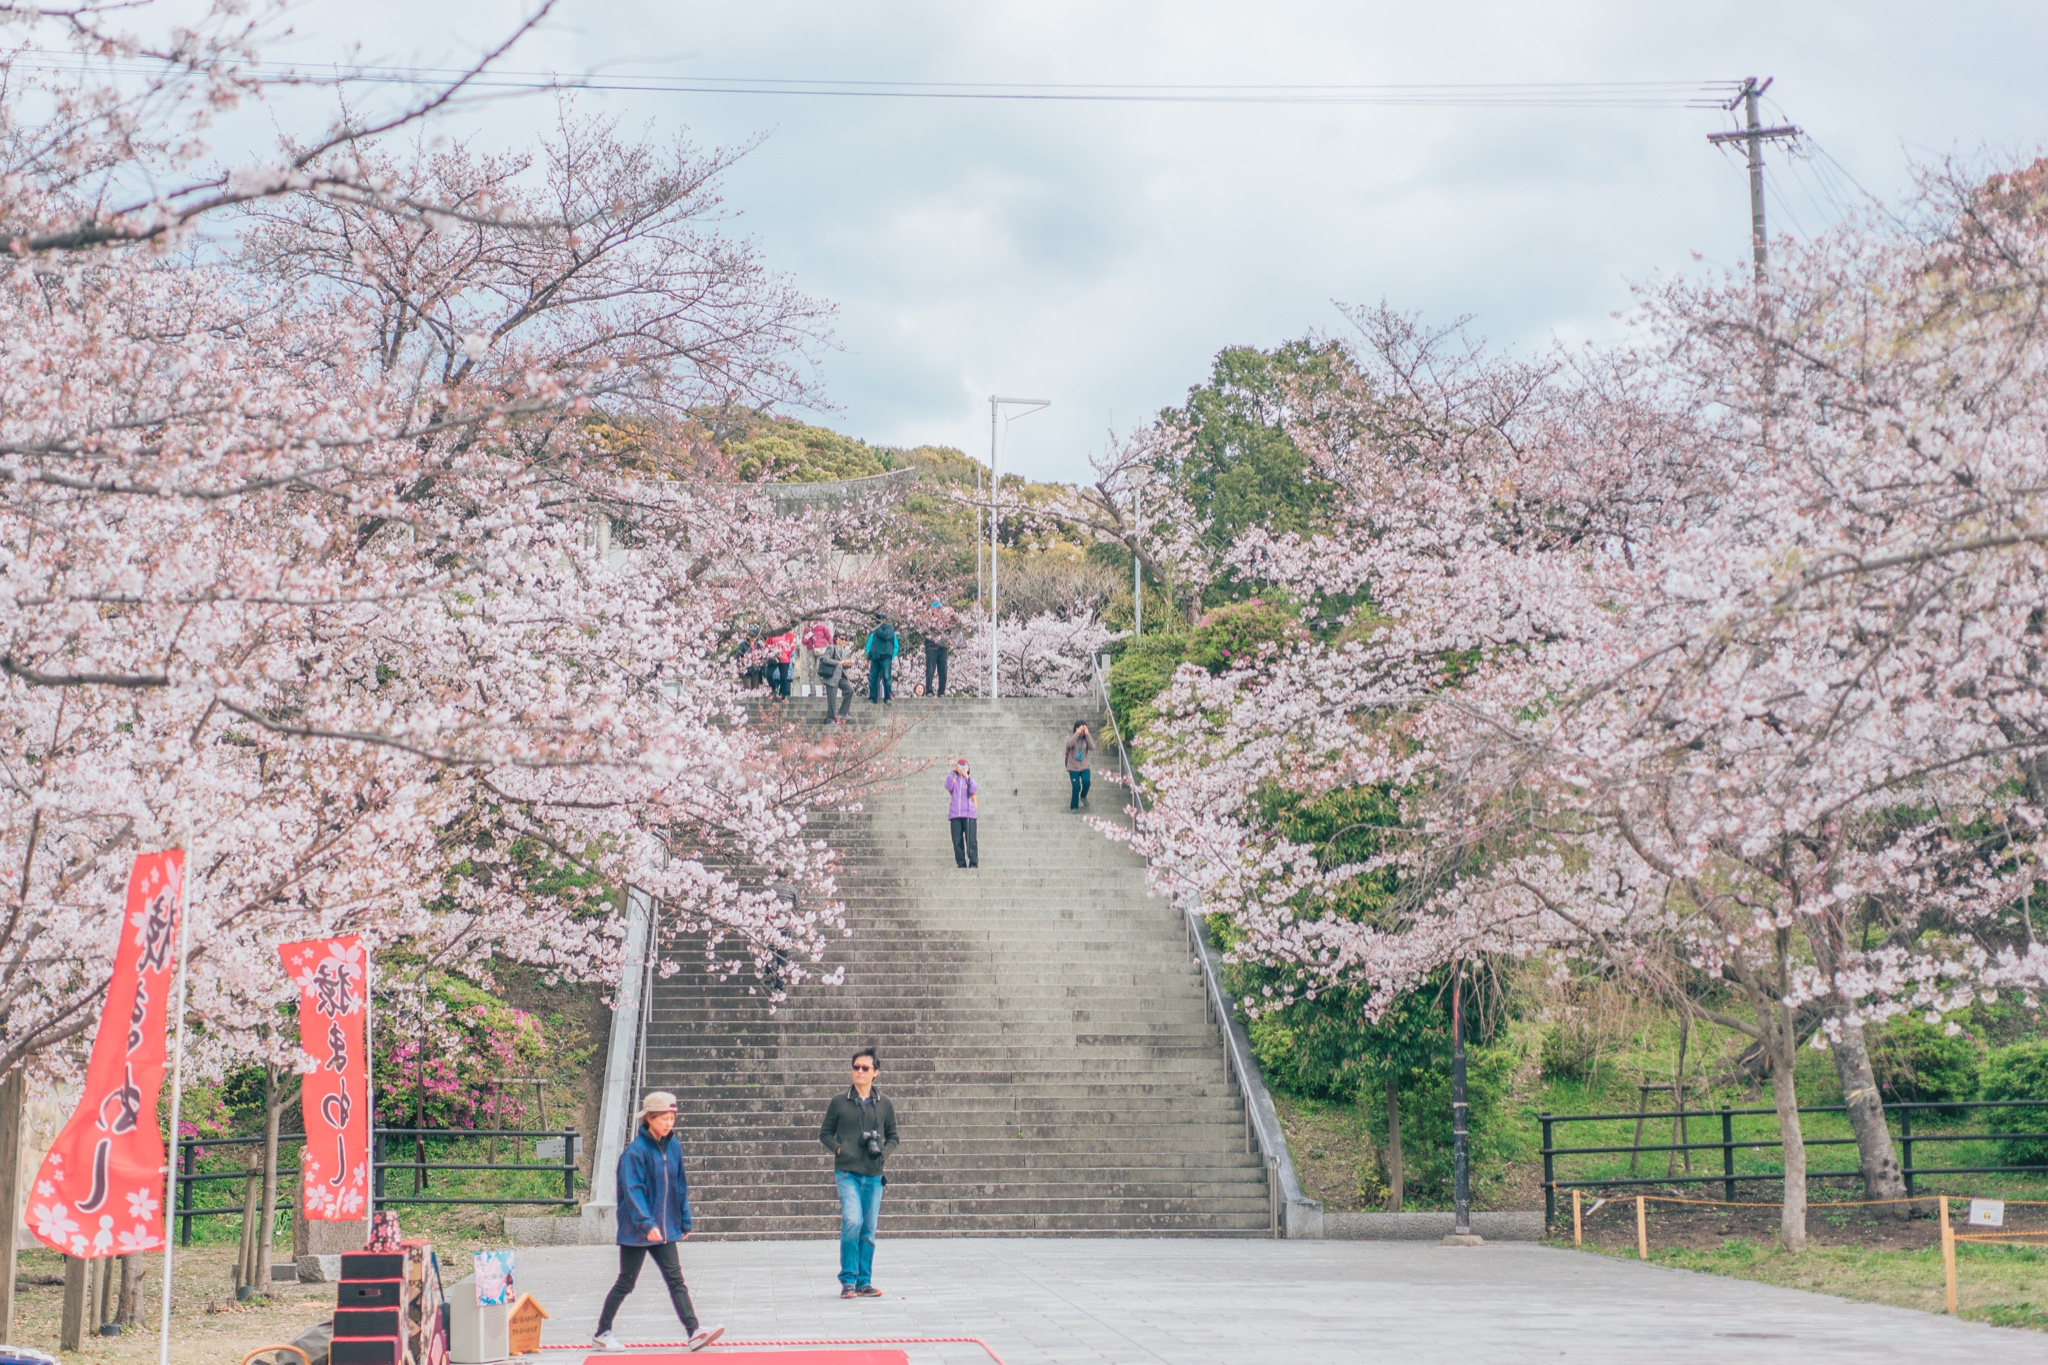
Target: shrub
pixel 1239 633
pixel 2019 1072
pixel 1917 1061
pixel 1571 1047
pixel 1426 1125
pixel 442 1053
pixel 1141 672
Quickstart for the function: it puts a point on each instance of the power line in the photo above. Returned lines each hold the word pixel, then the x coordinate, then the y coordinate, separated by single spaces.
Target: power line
pixel 1468 94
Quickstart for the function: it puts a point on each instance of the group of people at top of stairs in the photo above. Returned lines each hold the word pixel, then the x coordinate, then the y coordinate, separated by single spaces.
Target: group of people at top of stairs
pixel 963 795
pixel 815 649
pixel 654 1198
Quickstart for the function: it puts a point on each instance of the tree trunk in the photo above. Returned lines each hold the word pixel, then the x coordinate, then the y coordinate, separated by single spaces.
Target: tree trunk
pixel 1394 1175
pixel 273 1113
pixel 1875 1155
pixel 130 1313
pixel 1784 1052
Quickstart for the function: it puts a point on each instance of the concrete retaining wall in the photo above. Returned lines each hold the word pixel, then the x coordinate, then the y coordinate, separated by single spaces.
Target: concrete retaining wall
pixel 556 1232
pixel 1425 1227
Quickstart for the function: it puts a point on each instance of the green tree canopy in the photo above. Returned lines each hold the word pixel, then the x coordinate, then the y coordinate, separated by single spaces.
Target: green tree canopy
pixel 1236 466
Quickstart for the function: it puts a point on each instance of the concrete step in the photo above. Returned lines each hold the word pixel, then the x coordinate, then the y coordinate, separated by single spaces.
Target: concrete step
pixel 1045 1033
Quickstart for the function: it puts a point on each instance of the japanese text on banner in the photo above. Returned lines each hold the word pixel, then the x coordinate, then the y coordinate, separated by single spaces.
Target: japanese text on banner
pixel 333 979
pixel 99 1191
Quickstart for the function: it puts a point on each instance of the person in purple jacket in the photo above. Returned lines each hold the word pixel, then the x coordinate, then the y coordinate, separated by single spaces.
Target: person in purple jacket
pixel 964 812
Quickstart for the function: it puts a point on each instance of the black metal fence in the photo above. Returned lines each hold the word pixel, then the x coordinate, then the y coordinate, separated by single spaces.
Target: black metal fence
pixel 418 1151
pixel 1728 1145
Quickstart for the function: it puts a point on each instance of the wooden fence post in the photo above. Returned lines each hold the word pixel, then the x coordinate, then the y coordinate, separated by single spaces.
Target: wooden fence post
pixel 71 1322
pixel 1578 1219
pixel 1948 1255
pixel 1642 1231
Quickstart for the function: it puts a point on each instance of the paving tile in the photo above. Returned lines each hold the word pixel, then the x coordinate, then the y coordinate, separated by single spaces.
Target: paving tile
pixel 1055 1301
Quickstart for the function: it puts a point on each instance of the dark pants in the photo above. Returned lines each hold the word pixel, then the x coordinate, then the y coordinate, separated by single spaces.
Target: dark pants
pixel 966 850
pixel 778 678
pixel 881 682
pixel 1077 778
pixel 841 690
pixel 664 1254
pixel 935 664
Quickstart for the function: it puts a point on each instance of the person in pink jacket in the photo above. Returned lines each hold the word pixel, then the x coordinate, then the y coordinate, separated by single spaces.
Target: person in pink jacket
pixel 964 810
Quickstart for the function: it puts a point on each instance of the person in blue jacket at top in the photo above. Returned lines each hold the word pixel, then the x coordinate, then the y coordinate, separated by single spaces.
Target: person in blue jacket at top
pixel 881 650
pixel 653 1215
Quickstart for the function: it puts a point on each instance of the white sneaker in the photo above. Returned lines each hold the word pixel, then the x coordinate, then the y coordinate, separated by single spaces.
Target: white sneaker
pixel 608 1341
pixel 704 1336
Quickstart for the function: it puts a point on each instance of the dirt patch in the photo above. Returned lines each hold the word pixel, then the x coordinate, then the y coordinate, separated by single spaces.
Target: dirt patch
pixel 207 1325
pixel 1333 1154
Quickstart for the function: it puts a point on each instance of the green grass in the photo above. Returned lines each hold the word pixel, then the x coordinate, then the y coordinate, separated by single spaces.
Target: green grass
pixel 461 1220
pixel 2003 1286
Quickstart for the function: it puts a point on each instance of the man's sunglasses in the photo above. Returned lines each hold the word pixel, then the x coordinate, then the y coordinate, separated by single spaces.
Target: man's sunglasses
pixel 862 1066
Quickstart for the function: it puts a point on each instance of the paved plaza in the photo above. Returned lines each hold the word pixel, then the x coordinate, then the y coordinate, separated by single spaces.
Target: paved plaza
pixel 1230 1302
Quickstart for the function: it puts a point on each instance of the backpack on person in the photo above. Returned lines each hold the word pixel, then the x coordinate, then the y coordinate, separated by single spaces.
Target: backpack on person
pixel 882 643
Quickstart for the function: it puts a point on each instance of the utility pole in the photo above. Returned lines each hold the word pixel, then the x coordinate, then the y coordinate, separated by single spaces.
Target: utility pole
pixel 1755 135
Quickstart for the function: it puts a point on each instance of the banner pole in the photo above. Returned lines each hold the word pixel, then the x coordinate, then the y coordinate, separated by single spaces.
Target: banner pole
pixel 369 1083
pixel 163 1350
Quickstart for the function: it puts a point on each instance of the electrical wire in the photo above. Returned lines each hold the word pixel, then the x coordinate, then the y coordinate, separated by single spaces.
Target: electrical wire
pixel 1469 94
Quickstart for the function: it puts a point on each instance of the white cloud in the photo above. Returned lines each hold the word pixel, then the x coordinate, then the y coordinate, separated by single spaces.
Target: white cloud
pixel 1100 254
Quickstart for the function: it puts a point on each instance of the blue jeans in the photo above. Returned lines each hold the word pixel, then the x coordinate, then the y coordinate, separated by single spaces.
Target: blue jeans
pixel 882 679
pixel 860 1209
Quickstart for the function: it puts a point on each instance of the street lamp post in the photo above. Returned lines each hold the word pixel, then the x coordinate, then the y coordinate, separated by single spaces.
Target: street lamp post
pixel 995 521
pixel 1461 1166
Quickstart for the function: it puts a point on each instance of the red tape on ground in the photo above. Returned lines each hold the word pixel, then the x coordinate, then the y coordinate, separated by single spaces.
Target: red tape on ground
pixel 724 1350
pixel 798 1357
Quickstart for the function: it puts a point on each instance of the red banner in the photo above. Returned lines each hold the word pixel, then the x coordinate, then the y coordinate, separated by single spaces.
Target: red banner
pixel 100 1191
pixel 333 976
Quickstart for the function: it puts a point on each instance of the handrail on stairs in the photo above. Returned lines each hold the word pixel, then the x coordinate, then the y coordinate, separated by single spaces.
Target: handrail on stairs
pixel 1294 1214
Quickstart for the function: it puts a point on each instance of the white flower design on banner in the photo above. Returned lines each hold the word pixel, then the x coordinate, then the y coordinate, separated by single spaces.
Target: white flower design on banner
pixel 53 1221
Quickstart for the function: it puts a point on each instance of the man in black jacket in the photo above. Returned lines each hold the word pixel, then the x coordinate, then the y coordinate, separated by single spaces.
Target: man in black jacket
pixel 860 1132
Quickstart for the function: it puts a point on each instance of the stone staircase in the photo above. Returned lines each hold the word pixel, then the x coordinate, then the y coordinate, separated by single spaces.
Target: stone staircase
pixel 1043 1031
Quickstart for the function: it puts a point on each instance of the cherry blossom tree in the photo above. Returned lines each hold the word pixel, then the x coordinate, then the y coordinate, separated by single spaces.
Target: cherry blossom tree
pixel 1714 653
pixel 315 562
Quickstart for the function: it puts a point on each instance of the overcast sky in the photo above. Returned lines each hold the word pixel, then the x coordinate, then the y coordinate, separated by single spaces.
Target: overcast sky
pixel 1100 254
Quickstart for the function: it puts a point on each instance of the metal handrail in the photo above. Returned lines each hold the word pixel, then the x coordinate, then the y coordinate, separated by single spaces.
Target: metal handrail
pixel 1123 750
pixel 1262 1120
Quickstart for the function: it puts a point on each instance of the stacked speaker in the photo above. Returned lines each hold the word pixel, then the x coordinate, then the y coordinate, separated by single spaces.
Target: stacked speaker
pixel 369 1310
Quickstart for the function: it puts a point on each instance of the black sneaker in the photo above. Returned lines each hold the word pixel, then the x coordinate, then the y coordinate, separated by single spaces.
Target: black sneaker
pixel 847 1291
pixel 868 1291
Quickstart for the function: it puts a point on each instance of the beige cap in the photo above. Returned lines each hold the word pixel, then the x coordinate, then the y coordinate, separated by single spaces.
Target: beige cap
pixel 657 1102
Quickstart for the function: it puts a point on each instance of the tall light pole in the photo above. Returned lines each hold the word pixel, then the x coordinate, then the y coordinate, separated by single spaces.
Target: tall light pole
pixel 1137 566
pixel 995 523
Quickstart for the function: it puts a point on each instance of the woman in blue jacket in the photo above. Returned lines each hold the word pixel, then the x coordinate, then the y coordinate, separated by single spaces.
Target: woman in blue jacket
pixel 653 1215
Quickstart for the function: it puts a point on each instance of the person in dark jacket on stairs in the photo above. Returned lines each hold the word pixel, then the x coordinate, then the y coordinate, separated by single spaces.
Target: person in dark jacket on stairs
pixel 882 647
pixel 964 810
pixel 653 1215
pixel 832 672
pixel 860 1132
pixel 938 644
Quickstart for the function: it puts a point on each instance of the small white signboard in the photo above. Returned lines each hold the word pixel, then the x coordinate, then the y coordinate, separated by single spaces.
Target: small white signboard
pixel 1987 1213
